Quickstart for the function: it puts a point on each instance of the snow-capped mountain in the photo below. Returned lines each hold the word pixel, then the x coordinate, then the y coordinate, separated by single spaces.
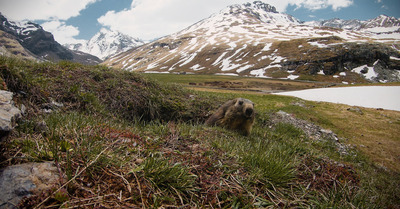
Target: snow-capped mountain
pixel 382 21
pixel 106 43
pixel 379 26
pixel 338 23
pixel 35 42
pixel 253 39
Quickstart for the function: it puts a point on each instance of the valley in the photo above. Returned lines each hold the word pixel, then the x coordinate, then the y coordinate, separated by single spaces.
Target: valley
pixel 224 83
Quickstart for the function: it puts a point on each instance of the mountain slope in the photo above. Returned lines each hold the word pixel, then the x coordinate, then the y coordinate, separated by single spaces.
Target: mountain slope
pixel 380 27
pixel 33 38
pixel 106 43
pixel 9 46
pixel 254 40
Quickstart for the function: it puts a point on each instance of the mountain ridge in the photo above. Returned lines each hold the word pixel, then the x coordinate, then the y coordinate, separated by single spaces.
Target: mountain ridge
pixel 106 43
pixel 254 40
pixel 33 38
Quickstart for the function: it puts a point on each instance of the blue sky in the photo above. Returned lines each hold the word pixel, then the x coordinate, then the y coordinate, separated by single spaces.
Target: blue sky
pixel 77 20
pixel 360 9
pixel 87 20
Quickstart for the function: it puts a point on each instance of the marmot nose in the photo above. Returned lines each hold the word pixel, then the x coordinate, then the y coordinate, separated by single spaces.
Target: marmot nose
pixel 249 111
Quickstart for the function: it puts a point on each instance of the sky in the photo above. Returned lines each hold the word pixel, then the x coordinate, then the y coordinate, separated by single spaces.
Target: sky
pixel 73 21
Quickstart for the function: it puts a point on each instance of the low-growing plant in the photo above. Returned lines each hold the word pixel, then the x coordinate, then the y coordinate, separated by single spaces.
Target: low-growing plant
pixel 169 179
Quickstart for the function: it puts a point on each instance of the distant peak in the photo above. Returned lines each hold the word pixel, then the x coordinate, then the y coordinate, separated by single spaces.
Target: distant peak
pixel 261 5
pixel 105 30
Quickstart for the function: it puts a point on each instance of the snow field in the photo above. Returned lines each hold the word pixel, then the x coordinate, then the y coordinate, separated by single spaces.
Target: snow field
pixel 386 97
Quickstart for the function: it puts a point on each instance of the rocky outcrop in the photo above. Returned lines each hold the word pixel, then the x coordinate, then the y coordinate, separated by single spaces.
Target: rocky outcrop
pixel 19 181
pixel 8 112
pixel 337 58
pixel 312 131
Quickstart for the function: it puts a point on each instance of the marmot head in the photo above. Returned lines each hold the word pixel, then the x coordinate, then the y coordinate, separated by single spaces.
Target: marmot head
pixel 246 106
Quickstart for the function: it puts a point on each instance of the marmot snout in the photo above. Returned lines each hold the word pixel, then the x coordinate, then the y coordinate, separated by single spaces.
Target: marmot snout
pixel 237 114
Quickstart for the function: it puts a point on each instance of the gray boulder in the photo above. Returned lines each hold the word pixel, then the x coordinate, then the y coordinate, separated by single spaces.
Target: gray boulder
pixel 19 181
pixel 8 112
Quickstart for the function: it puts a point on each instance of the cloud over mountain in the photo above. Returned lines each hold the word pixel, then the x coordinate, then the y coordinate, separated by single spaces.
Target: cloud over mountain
pixel 49 10
pixel 151 19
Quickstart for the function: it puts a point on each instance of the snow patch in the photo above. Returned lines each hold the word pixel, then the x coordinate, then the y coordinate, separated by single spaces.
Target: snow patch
pixel 319 45
pixel 394 58
pixel 293 77
pixel 244 68
pixel 267 47
pixel 197 67
pixel 259 73
pixel 230 74
pixel 370 74
pixel 385 97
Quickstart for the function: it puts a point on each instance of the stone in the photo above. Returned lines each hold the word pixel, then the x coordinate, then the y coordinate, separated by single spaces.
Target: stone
pixel 355 110
pixel 8 112
pixel 364 70
pixel 51 106
pixel 311 130
pixel 19 181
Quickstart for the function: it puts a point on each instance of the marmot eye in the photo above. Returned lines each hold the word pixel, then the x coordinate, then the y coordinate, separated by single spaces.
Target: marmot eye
pixel 240 102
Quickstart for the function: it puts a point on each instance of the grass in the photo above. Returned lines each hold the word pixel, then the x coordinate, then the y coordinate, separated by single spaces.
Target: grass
pixel 123 140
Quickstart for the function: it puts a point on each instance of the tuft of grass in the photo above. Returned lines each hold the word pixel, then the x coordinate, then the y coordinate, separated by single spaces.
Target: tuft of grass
pixel 169 179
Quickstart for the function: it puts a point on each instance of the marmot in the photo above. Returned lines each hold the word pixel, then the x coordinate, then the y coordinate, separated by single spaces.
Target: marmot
pixel 236 114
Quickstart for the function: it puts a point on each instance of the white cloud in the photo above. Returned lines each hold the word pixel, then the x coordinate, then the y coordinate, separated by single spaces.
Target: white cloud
pixel 322 4
pixel 53 11
pixel 149 19
pixel 42 9
pixel 62 33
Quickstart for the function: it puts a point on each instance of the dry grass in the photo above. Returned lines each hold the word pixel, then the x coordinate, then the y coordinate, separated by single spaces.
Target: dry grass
pixel 219 83
pixel 375 132
pixel 9 46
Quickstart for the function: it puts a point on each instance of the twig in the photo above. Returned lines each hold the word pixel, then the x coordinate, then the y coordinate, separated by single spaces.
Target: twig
pixel 78 174
pixel 140 190
pixel 125 181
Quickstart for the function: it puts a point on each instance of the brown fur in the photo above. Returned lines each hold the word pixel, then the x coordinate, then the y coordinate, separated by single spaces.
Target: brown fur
pixel 236 114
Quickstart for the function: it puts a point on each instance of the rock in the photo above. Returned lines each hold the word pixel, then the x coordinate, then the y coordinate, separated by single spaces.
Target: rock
pixel 364 70
pixel 19 181
pixel 311 130
pixel 299 103
pixel 355 110
pixel 51 106
pixel 8 112
pixel 41 127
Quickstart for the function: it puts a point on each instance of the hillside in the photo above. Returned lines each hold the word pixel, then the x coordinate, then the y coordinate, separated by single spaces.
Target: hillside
pixel 37 43
pixel 11 47
pixel 253 39
pixel 120 140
